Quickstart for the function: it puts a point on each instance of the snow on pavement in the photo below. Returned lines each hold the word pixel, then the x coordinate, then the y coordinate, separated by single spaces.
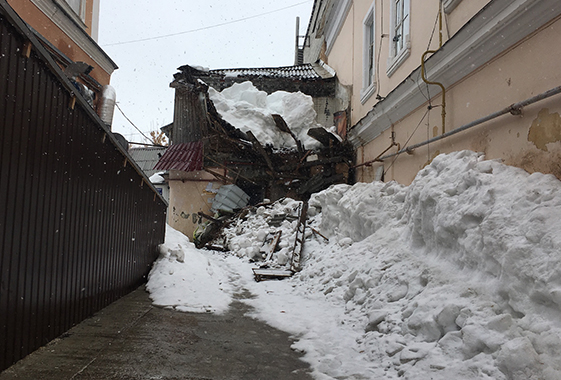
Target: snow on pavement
pixel 186 279
pixel 456 276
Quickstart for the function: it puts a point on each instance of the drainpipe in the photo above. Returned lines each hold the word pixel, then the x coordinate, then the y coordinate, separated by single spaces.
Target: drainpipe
pixel 296 49
pixel 423 73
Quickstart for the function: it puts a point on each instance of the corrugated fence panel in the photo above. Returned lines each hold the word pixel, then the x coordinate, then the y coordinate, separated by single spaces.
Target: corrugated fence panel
pixel 79 226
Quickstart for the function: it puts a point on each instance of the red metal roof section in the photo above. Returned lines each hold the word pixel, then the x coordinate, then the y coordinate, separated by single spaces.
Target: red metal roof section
pixel 187 157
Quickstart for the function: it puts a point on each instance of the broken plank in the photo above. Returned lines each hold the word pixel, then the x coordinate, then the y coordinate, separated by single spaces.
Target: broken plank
pixel 219 176
pixel 324 136
pixel 318 233
pixel 299 240
pixel 319 182
pixel 257 145
pixel 273 245
pixel 262 273
pixel 282 126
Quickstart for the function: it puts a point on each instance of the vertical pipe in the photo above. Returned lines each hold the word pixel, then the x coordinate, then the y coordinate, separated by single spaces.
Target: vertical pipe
pixel 296 49
pixel 423 72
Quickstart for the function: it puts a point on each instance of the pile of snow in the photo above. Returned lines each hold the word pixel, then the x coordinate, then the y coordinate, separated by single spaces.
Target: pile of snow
pixel 184 279
pixel 457 276
pixel 251 236
pixel 247 108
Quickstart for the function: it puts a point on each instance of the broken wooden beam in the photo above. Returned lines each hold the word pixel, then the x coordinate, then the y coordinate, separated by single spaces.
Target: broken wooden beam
pixel 273 246
pixel 319 182
pixel 257 145
pixel 299 239
pixel 263 273
pixel 318 233
pixel 325 137
pixel 282 126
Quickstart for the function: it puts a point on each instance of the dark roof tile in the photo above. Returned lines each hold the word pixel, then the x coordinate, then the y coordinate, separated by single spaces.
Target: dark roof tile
pixel 186 157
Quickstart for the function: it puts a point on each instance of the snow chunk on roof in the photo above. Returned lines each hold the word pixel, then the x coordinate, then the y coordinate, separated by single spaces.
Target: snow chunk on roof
pixel 249 109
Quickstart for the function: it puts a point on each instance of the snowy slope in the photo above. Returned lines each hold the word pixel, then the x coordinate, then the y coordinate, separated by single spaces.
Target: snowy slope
pixel 456 276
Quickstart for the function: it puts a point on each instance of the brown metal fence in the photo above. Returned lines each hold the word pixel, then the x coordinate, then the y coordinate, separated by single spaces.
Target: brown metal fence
pixel 79 224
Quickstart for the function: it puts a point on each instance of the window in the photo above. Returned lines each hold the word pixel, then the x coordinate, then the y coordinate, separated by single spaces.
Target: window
pixel 399 34
pixel 79 7
pixel 368 56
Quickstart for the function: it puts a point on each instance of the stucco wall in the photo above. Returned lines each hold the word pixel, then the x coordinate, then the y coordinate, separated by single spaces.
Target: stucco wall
pixel 347 52
pixel 531 141
pixel 188 196
pixel 465 10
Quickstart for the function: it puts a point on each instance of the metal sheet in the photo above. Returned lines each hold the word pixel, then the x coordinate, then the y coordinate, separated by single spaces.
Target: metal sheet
pixel 79 225
pixel 186 157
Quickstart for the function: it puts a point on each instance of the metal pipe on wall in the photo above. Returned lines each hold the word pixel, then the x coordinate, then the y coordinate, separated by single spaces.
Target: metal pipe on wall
pixel 423 72
pixel 514 109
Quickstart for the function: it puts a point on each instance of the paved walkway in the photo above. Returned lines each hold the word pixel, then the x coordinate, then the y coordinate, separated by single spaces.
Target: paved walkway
pixel 131 339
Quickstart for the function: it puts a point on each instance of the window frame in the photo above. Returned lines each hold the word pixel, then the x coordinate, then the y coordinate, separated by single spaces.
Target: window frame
pixel 81 12
pixel 450 5
pixel 400 43
pixel 68 10
pixel 369 79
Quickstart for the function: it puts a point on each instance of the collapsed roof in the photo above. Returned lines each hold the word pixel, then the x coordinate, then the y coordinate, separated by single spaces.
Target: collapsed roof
pixel 314 79
pixel 237 156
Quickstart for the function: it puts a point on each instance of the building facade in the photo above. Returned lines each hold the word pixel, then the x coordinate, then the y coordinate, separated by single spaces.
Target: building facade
pixel 438 76
pixel 68 29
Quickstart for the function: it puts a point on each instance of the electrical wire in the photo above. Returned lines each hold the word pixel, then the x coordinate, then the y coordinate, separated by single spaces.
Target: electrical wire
pixel 433 29
pixel 206 27
pixel 406 142
pixel 130 121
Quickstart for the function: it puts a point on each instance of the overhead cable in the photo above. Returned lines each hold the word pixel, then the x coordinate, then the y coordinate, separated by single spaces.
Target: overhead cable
pixel 206 27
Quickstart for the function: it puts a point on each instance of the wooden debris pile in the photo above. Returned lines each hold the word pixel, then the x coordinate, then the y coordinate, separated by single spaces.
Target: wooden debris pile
pixel 238 157
pixel 273 239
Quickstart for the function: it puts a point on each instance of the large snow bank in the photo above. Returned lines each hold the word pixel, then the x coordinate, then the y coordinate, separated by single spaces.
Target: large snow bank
pixel 247 108
pixel 456 276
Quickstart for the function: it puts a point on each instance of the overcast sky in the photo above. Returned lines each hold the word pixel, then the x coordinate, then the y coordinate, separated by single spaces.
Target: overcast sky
pixel 213 33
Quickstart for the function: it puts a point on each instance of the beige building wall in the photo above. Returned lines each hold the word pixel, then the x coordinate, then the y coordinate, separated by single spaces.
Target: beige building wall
pixel 461 14
pixel 347 51
pixel 531 141
pixel 189 194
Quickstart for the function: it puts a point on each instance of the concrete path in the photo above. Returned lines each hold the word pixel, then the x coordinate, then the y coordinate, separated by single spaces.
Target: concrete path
pixel 131 339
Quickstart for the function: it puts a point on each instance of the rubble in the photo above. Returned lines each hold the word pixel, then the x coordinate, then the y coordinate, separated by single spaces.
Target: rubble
pixel 269 234
pixel 309 160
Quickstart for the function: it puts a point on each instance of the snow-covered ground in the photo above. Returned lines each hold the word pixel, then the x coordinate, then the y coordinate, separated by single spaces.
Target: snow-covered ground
pixel 457 276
